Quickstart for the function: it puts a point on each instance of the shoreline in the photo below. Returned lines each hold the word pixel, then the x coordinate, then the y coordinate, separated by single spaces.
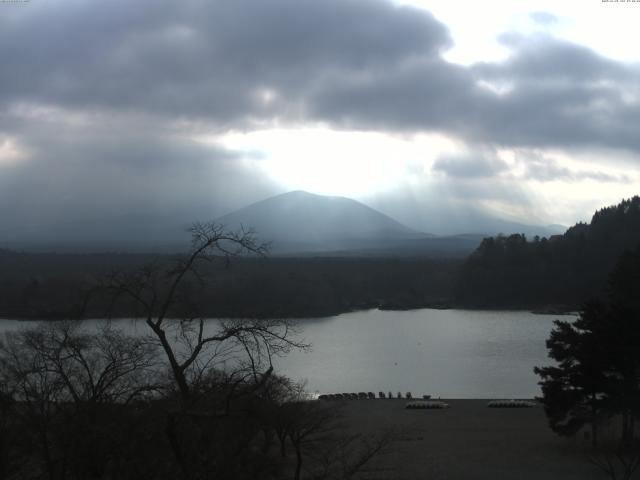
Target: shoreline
pixel 568 312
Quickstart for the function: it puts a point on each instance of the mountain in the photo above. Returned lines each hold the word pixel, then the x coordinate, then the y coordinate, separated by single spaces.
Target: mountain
pixel 299 221
pixel 303 223
pixel 296 223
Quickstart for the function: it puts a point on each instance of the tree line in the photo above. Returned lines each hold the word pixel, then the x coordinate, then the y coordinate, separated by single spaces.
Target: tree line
pixel 560 271
pixel 47 286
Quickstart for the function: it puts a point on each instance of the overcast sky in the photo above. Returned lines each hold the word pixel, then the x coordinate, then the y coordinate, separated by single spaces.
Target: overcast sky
pixel 130 116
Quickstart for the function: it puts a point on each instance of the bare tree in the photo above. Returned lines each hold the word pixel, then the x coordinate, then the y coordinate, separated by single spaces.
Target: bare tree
pixel 618 464
pixel 220 368
pixel 323 446
pixel 64 380
pixel 617 459
pixel 344 456
pixel 78 366
pixel 190 345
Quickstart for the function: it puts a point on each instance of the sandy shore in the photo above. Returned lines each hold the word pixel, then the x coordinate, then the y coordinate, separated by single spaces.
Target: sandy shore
pixel 470 441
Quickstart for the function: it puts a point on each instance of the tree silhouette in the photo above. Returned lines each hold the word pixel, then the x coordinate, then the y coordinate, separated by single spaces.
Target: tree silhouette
pixel 598 360
pixel 161 292
pixel 221 368
pixel 574 390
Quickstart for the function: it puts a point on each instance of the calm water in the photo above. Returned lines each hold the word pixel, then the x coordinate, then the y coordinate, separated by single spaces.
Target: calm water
pixel 447 353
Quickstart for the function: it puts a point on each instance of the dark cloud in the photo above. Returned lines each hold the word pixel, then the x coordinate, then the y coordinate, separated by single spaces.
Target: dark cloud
pixel 549 93
pixel 427 94
pixel 363 64
pixel 553 60
pixel 211 59
pixel 543 169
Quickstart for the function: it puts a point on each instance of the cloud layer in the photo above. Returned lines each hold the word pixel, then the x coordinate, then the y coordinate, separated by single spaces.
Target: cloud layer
pixel 104 97
pixel 357 63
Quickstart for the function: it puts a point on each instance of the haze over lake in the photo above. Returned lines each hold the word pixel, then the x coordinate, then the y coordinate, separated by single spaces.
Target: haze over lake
pixel 446 353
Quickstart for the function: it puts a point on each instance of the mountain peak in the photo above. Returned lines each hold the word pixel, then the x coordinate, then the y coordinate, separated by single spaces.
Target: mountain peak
pixel 304 195
pixel 299 220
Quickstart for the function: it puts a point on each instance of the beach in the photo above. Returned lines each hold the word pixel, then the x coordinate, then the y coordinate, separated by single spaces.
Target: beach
pixel 469 441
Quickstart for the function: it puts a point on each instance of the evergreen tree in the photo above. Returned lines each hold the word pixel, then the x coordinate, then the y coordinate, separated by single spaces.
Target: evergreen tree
pixel 598 360
pixel 574 391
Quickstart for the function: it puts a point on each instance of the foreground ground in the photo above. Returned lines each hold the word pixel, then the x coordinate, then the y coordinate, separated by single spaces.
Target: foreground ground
pixel 470 441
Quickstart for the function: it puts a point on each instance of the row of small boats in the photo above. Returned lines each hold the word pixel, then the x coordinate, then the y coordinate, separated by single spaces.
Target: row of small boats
pixel 435 404
pixel 366 396
pixel 425 403
pixel 511 404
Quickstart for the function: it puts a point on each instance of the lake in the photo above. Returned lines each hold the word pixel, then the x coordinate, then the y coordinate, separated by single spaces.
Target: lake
pixel 444 353
pixel 447 353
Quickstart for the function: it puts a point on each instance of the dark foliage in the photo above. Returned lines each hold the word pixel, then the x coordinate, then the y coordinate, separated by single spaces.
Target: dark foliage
pixel 561 271
pixel 77 405
pixel 45 286
pixel 598 360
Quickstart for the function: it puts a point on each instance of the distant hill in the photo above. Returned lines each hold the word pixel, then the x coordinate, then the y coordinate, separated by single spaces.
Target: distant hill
pixel 562 270
pixel 301 223
pixel 304 222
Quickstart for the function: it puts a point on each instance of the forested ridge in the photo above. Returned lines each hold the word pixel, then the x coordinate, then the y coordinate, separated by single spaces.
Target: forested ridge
pixel 50 286
pixel 506 271
pixel 557 272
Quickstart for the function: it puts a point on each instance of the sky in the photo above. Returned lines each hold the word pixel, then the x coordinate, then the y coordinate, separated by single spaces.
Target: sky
pixel 125 118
